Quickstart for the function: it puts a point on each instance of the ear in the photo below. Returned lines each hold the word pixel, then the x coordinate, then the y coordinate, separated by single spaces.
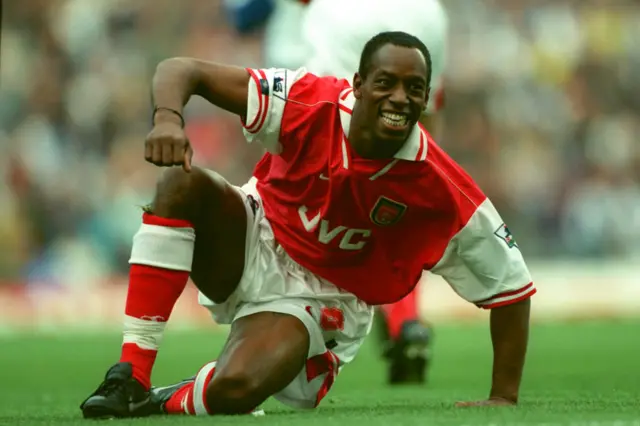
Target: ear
pixel 357 86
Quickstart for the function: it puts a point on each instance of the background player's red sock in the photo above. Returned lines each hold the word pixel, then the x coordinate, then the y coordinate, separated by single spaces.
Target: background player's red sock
pixel 398 313
pixel 161 260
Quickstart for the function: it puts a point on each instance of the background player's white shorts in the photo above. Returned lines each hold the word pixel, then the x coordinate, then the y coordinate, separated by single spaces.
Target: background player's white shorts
pixel 337 321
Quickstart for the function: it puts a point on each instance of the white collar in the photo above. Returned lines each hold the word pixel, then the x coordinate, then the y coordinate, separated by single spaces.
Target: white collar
pixel 414 149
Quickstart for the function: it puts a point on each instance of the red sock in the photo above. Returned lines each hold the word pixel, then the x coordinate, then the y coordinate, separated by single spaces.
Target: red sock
pixel 154 290
pixel 401 311
pixel 190 398
pixel 181 402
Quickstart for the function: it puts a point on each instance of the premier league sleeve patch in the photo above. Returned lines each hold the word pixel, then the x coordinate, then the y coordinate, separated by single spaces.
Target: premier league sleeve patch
pixel 505 235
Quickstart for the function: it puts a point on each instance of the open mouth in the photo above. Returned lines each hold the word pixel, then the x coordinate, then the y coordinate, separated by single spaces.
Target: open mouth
pixel 395 120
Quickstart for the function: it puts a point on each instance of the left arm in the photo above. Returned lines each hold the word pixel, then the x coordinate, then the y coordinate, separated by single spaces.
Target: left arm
pixel 484 265
pixel 510 335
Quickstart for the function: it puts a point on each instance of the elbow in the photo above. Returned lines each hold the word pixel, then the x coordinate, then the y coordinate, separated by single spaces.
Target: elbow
pixel 189 70
pixel 178 72
pixel 176 64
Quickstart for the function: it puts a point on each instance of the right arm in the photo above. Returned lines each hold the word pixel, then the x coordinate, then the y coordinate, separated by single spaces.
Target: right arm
pixel 177 79
pixel 174 82
pixel 257 96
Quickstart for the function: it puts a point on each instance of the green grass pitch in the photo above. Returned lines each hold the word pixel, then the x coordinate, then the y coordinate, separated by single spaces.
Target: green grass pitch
pixel 576 374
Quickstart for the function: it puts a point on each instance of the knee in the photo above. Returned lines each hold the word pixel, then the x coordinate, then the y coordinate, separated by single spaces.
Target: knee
pixel 180 194
pixel 233 393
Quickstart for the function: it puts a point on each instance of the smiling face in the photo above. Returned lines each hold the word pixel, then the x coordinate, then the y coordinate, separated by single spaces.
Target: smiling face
pixel 391 97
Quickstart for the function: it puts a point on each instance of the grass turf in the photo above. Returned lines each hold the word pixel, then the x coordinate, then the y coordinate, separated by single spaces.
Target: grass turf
pixel 578 373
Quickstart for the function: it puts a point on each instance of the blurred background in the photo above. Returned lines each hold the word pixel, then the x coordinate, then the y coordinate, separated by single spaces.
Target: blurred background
pixel 543 102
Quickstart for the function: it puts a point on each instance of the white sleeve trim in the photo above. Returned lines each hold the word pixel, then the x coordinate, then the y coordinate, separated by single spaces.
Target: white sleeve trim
pixel 258 104
pixel 508 298
pixel 268 95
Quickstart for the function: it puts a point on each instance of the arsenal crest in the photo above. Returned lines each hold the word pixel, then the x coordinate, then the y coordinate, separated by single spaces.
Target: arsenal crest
pixel 387 212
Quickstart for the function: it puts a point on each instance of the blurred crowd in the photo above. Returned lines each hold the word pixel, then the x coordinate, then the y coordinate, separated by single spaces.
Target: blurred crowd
pixel 543 102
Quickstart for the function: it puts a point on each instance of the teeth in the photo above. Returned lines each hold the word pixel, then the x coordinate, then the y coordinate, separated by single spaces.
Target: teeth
pixel 396 120
pixel 394 116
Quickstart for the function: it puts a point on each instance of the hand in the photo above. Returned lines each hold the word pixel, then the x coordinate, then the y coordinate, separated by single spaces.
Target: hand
pixel 167 145
pixel 491 402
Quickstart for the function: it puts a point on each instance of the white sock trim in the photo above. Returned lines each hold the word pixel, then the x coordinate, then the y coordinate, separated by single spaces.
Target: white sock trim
pixel 146 333
pixel 200 387
pixel 163 247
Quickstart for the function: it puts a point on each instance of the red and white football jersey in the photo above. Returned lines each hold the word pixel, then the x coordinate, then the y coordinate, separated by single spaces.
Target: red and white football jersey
pixel 371 227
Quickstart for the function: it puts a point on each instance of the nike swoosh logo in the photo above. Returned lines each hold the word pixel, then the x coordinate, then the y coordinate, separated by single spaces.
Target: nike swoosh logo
pixel 184 403
pixel 323 177
pixel 133 406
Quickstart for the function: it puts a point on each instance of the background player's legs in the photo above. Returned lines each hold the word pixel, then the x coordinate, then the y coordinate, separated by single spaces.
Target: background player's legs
pixel 405 339
pixel 263 354
pixel 195 226
pixel 396 314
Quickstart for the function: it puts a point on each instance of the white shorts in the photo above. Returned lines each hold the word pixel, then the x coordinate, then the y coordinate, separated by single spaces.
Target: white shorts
pixel 337 321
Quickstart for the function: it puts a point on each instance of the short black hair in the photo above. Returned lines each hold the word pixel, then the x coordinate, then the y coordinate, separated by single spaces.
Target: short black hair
pixel 397 38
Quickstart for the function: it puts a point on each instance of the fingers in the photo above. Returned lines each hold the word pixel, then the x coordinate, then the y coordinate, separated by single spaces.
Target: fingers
pixel 470 403
pixel 178 150
pixel 168 147
pixel 148 151
pixel 163 154
pixel 156 158
pixel 485 403
pixel 188 154
pixel 167 155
